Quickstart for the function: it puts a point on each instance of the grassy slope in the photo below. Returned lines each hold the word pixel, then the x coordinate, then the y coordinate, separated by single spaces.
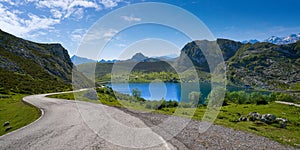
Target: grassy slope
pixel 14 110
pixel 228 116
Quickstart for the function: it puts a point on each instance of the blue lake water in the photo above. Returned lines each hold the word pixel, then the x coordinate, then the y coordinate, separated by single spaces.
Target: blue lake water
pixel 167 91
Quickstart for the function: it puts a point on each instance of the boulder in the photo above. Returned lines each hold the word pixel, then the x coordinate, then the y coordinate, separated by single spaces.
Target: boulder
pixel 253 116
pixel 6 123
pixel 8 128
pixel 268 118
pixel 243 119
pixel 282 122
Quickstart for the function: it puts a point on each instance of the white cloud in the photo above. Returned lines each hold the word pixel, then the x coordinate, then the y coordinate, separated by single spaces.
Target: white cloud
pixel 110 33
pixel 66 8
pixel 131 18
pixel 12 23
pixel 56 13
pixel 110 3
pixel 79 13
pixel 121 45
pixel 8 1
pixel 77 35
pixel 100 34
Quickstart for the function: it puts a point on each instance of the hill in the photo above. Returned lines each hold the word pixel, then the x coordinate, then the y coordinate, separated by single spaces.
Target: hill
pixel 266 65
pixel 28 67
pixel 194 51
pixel 262 65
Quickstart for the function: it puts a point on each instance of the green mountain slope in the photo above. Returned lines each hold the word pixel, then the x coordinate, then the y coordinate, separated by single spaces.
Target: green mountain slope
pixel 266 65
pixel 28 67
pixel 262 65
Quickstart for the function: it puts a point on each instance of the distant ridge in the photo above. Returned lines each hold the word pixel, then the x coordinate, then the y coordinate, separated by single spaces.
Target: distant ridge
pixel 277 40
pixel 77 60
pixel 283 40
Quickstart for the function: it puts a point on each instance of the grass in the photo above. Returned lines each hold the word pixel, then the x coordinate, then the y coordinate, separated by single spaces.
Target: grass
pixel 227 117
pixel 18 113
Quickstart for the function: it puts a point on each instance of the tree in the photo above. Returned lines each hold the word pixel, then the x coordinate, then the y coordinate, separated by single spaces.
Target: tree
pixel 136 93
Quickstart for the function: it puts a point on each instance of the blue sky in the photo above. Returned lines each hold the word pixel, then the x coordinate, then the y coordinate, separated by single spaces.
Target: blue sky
pixel 66 21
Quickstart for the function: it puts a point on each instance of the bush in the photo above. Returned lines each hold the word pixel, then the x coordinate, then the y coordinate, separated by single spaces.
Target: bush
pixel 262 102
pixel 281 97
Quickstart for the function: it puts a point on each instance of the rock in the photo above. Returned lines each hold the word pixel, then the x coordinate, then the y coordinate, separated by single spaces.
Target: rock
pixel 268 118
pixel 243 119
pixel 6 123
pixel 254 116
pixel 282 122
pixel 8 128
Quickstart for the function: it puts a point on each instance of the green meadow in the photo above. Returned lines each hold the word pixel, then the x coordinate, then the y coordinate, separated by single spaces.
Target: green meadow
pixel 16 112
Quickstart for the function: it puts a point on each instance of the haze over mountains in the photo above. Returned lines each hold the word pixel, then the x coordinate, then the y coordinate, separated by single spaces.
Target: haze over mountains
pixel 138 57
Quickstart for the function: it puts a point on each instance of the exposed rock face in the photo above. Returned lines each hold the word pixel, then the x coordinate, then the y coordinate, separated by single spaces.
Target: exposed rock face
pixel 35 63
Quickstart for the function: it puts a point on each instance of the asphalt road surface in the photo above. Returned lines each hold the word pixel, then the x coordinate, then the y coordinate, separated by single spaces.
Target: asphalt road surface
pixel 62 126
pixel 82 125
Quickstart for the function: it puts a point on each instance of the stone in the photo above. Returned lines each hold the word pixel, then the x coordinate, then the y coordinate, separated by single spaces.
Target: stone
pixel 268 118
pixel 243 119
pixel 6 123
pixel 282 122
pixel 253 116
pixel 8 128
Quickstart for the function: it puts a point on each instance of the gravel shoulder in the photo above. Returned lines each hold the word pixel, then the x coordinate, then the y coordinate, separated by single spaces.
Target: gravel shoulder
pixel 216 137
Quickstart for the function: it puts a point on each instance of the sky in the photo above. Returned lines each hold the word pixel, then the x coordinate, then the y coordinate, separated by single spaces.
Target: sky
pixel 67 22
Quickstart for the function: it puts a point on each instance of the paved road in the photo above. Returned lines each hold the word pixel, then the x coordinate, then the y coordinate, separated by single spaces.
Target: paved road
pixel 287 103
pixel 62 127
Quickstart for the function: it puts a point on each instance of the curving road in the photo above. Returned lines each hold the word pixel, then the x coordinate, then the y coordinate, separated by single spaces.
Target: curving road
pixel 62 126
pixel 82 125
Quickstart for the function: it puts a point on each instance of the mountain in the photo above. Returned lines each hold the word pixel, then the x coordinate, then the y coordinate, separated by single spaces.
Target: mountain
pixel 138 57
pixel 283 40
pixel 263 65
pixel 77 60
pixel 28 67
pixel 252 41
pixel 266 65
pixel 194 51
pixel 108 61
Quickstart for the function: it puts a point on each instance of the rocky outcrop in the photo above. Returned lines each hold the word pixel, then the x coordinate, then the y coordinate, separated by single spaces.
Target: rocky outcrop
pixel 35 63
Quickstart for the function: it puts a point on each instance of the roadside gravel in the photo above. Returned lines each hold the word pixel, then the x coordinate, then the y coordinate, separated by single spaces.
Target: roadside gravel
pixel 215 138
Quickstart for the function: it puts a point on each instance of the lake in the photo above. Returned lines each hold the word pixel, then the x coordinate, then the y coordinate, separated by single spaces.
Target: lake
pixel 167 91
